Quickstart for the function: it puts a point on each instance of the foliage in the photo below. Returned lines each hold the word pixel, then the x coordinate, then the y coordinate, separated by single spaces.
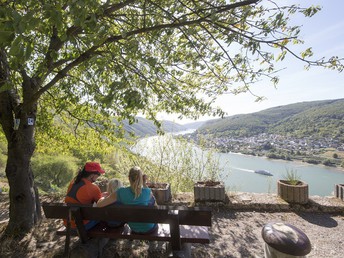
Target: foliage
pixel 292 177
pixel 3 154
pixel 312 161
pixel 90 63
pixel 328 162
pixel 53 172
pixel 61 139
pixel 3 159
pixel 178 162
pixel 88 56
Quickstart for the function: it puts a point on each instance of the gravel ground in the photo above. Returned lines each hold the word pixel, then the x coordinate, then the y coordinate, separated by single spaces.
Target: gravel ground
pixel 238 234
pixel 235 231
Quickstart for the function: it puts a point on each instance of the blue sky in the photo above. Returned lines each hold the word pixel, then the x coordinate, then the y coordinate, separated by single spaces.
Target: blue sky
pixel 324 32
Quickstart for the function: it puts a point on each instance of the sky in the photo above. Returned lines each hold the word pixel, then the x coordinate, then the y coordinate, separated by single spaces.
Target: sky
pixel 324 32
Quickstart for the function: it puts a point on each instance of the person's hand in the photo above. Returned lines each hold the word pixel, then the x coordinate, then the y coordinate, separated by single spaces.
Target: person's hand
pixel 105 194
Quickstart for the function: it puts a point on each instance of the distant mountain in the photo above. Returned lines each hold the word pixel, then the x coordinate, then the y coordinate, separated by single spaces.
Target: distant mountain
pixel 144 127
pixel 194 125
pixel 316 118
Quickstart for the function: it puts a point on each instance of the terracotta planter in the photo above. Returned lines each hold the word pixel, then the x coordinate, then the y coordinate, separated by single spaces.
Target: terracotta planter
pixel 161 191
pixel 293 193
pixel 339 191
pixel 209 191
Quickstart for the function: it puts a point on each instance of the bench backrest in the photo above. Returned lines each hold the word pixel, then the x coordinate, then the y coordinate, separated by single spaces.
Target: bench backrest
pixel 196 216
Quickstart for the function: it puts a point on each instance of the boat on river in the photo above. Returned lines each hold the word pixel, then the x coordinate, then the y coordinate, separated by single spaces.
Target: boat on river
pixel 263 172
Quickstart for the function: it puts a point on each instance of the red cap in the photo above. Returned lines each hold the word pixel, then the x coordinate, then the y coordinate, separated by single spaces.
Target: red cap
pixel 93 167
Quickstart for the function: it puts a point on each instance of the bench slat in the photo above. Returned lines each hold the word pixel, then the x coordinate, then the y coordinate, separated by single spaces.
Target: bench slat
pixel 195 216
pixel 188 234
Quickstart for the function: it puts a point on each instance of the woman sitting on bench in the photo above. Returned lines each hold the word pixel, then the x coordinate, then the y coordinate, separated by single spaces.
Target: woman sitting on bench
pixel 136 194
pixel 82 190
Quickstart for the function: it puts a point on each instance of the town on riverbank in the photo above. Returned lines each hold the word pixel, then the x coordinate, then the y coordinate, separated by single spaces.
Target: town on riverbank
pixel 325 151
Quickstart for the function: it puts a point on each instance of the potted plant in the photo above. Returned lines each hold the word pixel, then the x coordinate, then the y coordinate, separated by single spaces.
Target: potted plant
pixel 161 192
pixel 209 190
pixel 292 189
pixel 209 187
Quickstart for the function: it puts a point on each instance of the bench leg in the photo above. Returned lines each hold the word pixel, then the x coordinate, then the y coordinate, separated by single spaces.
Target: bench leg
pixel 66 249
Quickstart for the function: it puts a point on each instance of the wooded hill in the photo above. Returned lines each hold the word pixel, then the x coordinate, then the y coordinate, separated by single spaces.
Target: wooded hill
pixel 144 127
pixel 318 119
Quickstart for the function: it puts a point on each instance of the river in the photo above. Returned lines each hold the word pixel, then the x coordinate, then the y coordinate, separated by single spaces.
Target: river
pixel 241 177
pixel 237 171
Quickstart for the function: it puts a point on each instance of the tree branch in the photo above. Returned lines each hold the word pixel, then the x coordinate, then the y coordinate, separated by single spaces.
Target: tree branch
pixel 92 51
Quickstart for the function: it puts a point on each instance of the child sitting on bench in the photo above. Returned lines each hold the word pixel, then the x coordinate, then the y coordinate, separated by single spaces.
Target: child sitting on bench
pixel 136 194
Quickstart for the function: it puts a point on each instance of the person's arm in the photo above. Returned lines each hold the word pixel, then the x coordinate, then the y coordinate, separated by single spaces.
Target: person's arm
pixel 105 201
pixel 144 178
pixel 152 201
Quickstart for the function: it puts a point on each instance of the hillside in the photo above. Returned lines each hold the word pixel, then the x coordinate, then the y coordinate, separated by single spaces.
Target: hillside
pixel 316 118
pixel 144 127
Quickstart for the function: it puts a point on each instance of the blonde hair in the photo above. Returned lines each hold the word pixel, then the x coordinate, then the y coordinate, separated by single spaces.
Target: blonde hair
pixel 136 180
pixel 113 185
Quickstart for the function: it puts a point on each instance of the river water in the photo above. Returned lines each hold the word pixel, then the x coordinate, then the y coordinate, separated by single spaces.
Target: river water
pixel 241 177
pixel 237 171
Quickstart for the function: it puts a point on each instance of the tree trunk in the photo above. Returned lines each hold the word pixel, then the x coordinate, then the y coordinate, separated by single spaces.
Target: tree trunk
pixel 24 202
pixel 24 205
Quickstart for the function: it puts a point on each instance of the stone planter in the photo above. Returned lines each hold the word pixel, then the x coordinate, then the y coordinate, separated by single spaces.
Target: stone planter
pixel 161 191
pixel 339 191
pixel 213 191
pixel 293 193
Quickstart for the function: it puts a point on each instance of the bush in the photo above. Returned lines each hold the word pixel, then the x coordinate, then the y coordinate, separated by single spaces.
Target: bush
pixel 3 160
pixel 328 162
pixel 52 172
pixel 311 161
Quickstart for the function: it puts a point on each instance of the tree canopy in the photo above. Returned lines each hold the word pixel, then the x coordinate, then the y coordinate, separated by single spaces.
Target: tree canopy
pixel 92 61
pixel 125 57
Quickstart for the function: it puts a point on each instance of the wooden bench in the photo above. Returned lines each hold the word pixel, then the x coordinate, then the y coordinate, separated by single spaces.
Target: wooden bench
pixel 178 225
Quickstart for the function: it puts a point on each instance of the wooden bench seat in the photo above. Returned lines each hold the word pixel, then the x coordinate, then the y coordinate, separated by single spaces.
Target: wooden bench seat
pixel 188 234
pixel 177 224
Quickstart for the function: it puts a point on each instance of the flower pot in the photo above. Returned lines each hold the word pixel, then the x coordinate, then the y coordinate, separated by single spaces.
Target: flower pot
pixel 339 191
pixel 161 191
pixel 209 191
pixel 297 193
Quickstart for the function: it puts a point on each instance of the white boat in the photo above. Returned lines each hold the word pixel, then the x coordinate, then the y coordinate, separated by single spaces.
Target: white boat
pixel 263 172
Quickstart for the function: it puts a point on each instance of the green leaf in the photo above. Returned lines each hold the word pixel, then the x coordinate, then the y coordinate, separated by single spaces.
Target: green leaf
pixel 6 38
pixel 6 86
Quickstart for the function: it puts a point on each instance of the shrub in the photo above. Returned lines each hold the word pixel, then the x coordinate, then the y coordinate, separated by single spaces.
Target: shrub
pixel 312 161
pixel 328 162
pixel 3 160
pixel 52 172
